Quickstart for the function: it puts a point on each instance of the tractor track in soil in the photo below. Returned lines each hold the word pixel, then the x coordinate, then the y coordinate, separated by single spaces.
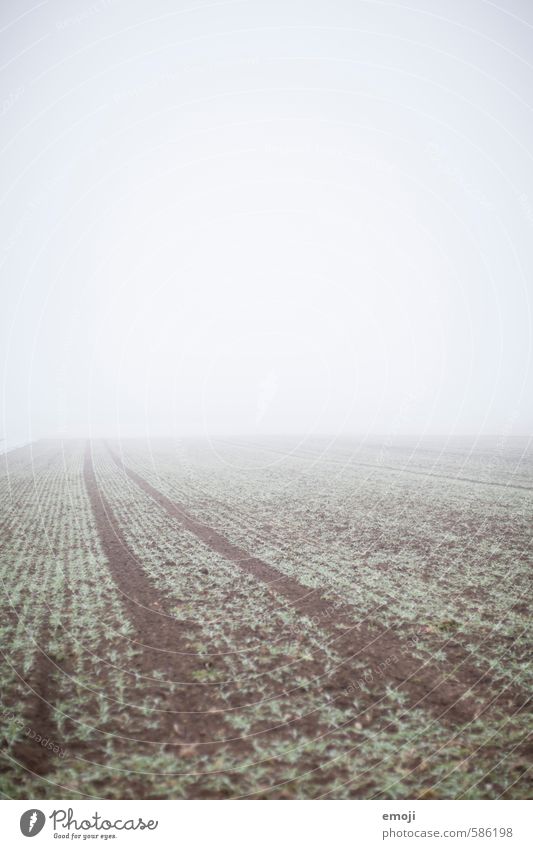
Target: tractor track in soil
pixel 166 645
pixel 452 692
pixel 164 641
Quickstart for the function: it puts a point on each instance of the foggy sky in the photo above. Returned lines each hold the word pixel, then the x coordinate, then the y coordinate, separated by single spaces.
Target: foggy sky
pixel 266 217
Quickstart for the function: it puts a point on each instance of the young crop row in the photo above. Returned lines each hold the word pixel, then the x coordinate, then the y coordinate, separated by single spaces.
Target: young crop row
pixel 26 498
pixel 503 461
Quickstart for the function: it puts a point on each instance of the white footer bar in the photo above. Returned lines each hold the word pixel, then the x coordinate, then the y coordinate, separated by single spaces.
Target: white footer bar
pixel 268 825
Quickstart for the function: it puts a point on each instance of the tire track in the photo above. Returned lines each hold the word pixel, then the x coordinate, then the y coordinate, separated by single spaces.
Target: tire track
pixel 165 641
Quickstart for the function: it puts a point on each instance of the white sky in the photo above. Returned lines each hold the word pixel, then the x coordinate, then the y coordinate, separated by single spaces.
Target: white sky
pixel 266 217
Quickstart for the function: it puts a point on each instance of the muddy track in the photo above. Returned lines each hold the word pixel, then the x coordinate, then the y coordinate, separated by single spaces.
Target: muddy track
pixel 451 690
pixel 299 596
pixel 201 717
pixel 164 642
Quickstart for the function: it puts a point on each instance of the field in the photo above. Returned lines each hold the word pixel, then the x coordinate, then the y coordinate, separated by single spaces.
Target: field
pixel 276 620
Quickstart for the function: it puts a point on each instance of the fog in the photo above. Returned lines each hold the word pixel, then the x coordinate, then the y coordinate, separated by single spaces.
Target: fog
pixel 266 217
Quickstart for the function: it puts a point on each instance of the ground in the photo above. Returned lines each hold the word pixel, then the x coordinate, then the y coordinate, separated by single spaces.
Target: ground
pixel 274 619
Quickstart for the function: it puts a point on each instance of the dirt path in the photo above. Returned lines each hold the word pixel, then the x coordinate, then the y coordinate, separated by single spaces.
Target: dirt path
pixel 454 690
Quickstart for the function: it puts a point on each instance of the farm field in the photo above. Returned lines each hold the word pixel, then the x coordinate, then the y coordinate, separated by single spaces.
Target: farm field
pixel 275 619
